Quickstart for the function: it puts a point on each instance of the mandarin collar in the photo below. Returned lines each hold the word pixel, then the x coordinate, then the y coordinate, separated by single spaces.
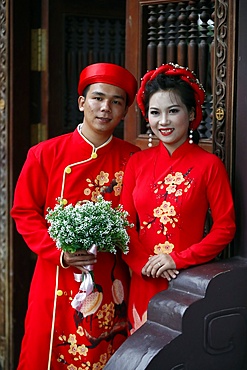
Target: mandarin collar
pixel 88 148
pixel 179 152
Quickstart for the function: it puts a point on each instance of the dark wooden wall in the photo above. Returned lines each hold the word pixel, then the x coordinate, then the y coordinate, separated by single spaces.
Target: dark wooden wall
pixel 77 36
pixel 240 162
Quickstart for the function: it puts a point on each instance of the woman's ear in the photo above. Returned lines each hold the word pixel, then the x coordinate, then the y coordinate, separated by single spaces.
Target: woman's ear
pixel 192 115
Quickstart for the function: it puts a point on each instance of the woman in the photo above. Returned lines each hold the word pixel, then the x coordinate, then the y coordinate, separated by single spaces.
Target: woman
pixel 168 190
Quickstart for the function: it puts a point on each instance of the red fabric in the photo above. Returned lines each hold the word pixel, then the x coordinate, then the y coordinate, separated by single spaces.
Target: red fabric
pixel 108 73
pixel 192 181
pixel 77 341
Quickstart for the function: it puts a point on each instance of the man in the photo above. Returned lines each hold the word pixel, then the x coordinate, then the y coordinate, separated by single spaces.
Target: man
pixel 74 167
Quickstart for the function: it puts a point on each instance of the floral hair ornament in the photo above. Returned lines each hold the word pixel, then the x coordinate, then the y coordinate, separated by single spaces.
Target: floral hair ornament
pixel 186 75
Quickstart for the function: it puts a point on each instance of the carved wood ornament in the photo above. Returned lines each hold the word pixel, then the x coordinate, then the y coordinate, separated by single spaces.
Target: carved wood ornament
pixel 5 264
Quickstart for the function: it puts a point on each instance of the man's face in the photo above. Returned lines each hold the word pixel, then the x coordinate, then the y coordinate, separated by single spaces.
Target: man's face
pixel 104 107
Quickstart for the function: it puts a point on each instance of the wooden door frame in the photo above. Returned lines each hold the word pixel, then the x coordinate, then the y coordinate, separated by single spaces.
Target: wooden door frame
pixel 18 127
pixel 6 257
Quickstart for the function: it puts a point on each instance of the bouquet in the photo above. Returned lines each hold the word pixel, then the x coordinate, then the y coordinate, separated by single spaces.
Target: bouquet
pixel 86 226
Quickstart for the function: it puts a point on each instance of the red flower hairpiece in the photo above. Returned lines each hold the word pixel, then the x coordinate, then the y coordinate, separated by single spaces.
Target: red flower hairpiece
pixel 186 75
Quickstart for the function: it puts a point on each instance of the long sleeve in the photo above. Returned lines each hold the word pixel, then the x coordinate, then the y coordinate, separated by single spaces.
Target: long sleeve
pixel 221 205
pixel 28 209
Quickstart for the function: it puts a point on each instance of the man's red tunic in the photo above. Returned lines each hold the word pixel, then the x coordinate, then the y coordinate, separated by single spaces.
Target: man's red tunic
pixel 56 335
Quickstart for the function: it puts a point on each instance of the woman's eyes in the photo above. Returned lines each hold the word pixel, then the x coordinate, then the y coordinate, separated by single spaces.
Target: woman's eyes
pixel 171 111
pixel 154 112
pixel 174 110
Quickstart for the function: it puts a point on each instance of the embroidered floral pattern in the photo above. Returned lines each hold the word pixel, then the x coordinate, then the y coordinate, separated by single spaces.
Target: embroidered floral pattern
pixel 174 183
pixel 170 192
pixel 91 303
pixel 102 178
pixel 166 214
pixel 104 357
pixel 101 184
pixel 138 321
pixel 106 320
pixel 77 351
pixel 117 291
pixel 74 348
pixel 165 248
pixel 106 315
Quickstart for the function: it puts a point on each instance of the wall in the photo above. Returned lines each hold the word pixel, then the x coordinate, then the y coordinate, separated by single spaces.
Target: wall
pixel 240 185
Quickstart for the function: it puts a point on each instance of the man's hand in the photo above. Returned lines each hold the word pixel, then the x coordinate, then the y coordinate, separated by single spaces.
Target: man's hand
pixel 161 265
pixel 79 259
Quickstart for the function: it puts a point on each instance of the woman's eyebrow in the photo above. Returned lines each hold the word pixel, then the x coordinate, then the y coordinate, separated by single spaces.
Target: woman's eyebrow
pixel 169 107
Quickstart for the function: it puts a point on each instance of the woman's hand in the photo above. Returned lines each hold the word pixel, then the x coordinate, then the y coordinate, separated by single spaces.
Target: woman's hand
pixel 160 265
pixel 79 259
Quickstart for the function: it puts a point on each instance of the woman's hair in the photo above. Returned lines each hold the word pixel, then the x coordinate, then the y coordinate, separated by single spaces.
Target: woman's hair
pixel 175 85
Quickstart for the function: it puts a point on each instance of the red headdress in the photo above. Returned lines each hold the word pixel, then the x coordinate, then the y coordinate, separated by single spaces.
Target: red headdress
pixel 186 75
pixel 111 74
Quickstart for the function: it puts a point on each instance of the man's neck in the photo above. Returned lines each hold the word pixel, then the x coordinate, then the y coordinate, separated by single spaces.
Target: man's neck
pixel 95 139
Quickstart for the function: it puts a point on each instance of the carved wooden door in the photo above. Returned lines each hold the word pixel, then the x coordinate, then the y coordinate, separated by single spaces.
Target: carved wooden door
pixel 198 34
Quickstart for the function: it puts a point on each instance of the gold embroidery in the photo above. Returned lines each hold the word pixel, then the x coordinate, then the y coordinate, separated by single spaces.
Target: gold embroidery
pixel 171 190
pixel 165 248
pixel 102 185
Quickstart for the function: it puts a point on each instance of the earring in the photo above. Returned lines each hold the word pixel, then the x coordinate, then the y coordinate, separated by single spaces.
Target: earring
pixel 150 136
pixel 191 137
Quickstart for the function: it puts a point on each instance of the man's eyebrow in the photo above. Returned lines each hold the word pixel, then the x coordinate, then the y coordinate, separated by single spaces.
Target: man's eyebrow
pixel 102 94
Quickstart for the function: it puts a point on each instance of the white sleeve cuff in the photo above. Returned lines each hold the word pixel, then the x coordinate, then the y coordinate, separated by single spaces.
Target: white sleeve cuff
pixel 61 261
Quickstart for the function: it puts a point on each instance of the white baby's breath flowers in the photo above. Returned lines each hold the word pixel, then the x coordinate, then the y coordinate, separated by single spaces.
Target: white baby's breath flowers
pixel 87 223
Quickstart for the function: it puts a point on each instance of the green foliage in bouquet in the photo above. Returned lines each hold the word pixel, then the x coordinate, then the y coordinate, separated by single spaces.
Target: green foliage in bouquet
pixel 87 223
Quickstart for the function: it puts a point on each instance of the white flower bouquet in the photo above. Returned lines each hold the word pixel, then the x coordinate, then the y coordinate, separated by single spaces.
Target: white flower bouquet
pixel 89 226
pixel 89 223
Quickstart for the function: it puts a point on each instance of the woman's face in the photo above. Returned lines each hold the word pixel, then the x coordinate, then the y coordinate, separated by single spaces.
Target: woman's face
pixel 169 119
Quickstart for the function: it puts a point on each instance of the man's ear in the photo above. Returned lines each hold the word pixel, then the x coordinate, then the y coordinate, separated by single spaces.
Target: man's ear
pixel 81 101
pixel 125 112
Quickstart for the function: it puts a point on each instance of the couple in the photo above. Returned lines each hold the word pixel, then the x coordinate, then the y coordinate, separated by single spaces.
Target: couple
pixel 167 191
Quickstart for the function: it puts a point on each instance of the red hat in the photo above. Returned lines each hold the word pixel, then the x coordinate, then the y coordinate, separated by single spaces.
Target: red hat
pixel 186 75
pixel 111 74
